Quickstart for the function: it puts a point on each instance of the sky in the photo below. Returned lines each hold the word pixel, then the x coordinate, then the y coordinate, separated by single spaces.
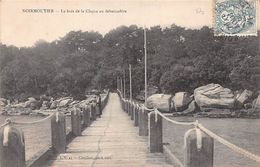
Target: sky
pixel 21 28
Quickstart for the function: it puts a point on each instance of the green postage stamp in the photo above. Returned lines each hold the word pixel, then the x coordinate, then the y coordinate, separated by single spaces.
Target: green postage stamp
pixel 235 18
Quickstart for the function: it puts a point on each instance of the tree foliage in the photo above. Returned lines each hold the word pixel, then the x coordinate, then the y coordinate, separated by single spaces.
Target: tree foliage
pixel 179 59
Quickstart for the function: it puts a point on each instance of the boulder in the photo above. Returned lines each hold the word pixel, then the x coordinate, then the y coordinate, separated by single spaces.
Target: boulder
pixel 248 105
pixel 64 102
pixel 242 98
pixel 3 102
pixel 163 102
pixel 192 108
pixel 31 103
pixel 256 103
pixel 18 105
pixel 181 101
pixel 214 96
pixel 54 104
pixel 82 104
pixel 140 97
pixel 45 105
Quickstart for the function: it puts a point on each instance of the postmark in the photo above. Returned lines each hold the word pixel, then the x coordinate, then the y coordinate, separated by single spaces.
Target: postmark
pixel 235 18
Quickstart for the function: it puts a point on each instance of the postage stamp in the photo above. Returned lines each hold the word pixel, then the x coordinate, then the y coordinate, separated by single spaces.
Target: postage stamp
pixel 235 18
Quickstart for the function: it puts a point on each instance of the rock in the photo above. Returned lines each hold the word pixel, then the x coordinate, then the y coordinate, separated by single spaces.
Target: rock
pixel 64 102
pixel 3 102
pixel 18 110
pixel 82 104
pixel 242 98
pixel 181 101
pixel 192 108
pixel 140 97
pixel 256 103
pixel 45 98
pixel 214 96
pixel 162 102
pixel 19 105
pixel 54 104
pixel 45 105
pixel 31 103
pixel 248 105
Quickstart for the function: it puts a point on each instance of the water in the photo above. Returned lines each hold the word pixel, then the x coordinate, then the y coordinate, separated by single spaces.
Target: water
pixel 242 132
pixel 37 136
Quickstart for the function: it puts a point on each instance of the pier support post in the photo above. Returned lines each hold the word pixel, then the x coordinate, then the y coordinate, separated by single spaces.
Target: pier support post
pixel 136 115
pixel 198 157
pixel 97 110
pixel 93 112
pixel 155 133
pixel 86 116
pixel 130 108
pixel 143 122
pixel 132 111
pixel 12 148
pixel 76 122
pixel 124 105
pixel 58 132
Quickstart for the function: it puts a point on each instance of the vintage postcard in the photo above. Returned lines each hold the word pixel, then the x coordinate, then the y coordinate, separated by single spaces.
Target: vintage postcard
pixel 129 83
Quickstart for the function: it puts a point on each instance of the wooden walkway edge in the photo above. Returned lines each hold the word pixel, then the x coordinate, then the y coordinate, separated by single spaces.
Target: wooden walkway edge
pixel 110 141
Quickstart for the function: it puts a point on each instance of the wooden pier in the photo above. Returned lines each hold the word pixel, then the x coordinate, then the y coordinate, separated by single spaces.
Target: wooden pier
pixel 128 135
pixel 111 140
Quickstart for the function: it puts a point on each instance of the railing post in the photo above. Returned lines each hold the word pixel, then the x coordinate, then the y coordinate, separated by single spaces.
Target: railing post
pixel 132 111
pixel 155 132
pixel 12 148
pixel 143 122
pixel 127 106
pixel 198 157
pixel 96 108
pixel 93 112
pixel 130 108
pixel 136 115
pixel 86 116
pixel 123 104
pixel 76 122
pixel 58 132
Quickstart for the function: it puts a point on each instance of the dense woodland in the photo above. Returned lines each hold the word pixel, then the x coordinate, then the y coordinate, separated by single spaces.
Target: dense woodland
pixel 179 59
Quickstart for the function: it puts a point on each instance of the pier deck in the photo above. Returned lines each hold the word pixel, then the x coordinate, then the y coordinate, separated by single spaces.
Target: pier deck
pixel 111 140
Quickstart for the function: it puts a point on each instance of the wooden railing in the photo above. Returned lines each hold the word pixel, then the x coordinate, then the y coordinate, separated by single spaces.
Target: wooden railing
pixel 12 147
pixel 198 141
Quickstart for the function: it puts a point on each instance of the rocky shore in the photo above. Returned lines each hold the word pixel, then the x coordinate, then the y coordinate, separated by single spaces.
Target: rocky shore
pixel 44 105
pixel 212 101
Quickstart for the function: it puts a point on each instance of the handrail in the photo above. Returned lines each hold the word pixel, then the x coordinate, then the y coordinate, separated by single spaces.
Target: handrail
pixel 229 144
pixel 32 122
pixel 173 121
pixel 197 125
pixel 4 124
